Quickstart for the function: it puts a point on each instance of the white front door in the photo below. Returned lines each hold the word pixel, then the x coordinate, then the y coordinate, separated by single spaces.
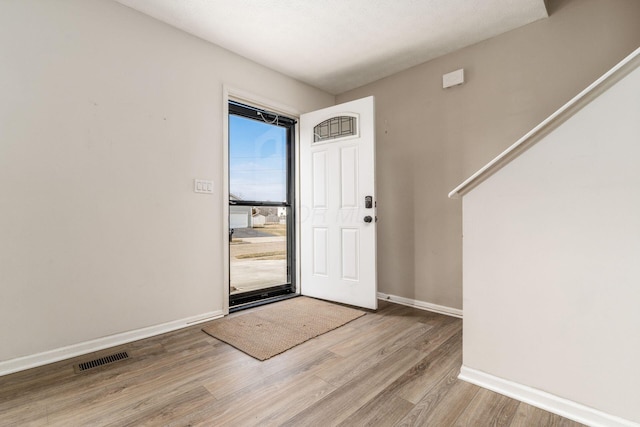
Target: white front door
pixel 337 200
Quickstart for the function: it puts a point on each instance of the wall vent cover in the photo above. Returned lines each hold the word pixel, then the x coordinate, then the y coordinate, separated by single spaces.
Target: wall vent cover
pixel 102 361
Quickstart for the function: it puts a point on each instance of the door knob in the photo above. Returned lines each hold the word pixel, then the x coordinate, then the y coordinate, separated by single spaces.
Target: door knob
pixel 368 219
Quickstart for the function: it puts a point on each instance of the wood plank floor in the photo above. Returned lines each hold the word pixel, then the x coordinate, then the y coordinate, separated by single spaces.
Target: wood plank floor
pixel 395 367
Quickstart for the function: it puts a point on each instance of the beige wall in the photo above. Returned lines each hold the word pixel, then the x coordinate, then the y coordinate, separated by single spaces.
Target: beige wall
pixel 429 139
pixel 555 236
pixel 106 118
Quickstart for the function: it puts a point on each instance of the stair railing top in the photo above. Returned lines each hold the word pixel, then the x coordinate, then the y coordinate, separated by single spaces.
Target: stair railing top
pixel 579 101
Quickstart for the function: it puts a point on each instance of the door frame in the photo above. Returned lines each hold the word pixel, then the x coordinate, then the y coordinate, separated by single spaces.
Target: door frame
pixel 230 93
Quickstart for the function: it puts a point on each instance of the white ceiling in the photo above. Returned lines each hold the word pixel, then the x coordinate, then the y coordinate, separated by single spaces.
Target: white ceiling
pixel 338 45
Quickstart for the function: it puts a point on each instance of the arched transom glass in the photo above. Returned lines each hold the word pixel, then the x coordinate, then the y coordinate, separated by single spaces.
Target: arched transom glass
pixel 335 127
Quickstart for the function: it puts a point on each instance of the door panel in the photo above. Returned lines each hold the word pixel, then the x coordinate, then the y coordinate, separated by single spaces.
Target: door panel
pixel 349 174
pixel 337 173
pixel 319 179
pixel 350 253
pixel 320 251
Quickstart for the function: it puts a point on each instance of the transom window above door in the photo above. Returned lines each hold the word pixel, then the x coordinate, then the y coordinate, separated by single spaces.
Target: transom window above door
pixel 335 128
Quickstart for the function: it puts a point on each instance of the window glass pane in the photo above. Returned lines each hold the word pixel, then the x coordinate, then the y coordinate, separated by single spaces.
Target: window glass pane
pixel 336 127
pixel 257 160
pixel 258 247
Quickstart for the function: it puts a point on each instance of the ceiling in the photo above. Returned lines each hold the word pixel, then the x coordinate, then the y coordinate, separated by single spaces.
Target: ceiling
pixel 338 45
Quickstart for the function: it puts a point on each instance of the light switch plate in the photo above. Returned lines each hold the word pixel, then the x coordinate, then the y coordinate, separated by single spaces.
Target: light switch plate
pixel 203 186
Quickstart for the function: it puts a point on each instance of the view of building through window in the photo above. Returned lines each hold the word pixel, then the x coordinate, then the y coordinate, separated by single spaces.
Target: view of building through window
pixel 259 205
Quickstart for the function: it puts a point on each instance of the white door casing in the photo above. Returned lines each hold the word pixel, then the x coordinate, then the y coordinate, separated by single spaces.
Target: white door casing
pixel 338 248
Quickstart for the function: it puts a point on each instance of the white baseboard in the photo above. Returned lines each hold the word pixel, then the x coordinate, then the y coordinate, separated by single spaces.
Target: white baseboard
pixel 62 353
pixel 455 312
pixel 543 400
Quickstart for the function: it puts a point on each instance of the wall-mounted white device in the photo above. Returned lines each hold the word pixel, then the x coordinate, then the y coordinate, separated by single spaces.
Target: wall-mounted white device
pixel 453 78
pixel 203 186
